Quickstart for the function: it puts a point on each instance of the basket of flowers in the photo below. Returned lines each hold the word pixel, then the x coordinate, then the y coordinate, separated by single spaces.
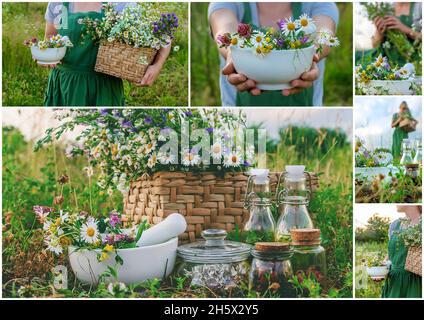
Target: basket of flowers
pixel 50 51
pixel 412 238
pixel 273 58
pixel 129 40
pixel 379 77
pixel 408 123
pixel 146 154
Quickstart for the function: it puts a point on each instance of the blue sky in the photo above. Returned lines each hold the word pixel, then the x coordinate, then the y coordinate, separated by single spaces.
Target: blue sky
pixel 275 118
pixel 374 115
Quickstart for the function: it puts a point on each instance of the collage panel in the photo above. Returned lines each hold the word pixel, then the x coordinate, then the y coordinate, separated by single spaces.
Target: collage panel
pixel 271 54
pixel 388 251
pixel 388 48
pixel 95 54
pixel 388 150
pixel 106 192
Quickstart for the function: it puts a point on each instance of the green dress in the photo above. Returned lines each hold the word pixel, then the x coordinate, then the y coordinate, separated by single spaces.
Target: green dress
pixel 391 53
pixel 74 82
pixel 398 136
pixel 274 98
pixel 400 283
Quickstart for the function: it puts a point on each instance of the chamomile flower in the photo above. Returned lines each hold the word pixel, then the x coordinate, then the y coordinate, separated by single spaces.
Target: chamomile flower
pixel 289 27
pixel 216 151
pixel 153 159
pixel 53 245
pixel 380 62
pixel 258 39
pixel 232 159
pixel 403 73
pixel 89 231
pixel 190 158
pixel 306 24
pixel 166 158
pixel 150 147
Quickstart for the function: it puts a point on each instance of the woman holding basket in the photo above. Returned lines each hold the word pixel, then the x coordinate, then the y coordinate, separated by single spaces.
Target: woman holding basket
pixel 74 82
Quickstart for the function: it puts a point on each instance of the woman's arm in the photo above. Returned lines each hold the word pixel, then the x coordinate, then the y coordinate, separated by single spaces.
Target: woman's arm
pixel 378 36
pixel 393 23
pixel 396 122
pixel 154 69
pixel 324 22
pixel 223 21
pixel 50 30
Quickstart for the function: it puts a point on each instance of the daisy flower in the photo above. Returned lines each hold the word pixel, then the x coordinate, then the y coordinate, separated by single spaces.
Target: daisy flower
pixel 153 159
pixel 403 73
pixel 289 26
pixel 190 158
pixel 258 39
pixel 166 158
pixel 89 231
pixel 150 147
pixel 306 24
pixel 380 62
pixel 216 151
pixel 53 245
pixel 233 159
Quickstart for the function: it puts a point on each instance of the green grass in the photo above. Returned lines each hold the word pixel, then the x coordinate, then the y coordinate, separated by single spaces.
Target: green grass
pixel 31 179
pixel 205 69
pixel 24 83
pixel 363 249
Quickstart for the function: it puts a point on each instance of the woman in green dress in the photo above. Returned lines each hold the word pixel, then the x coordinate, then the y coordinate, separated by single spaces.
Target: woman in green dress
pixel 406 16
pixel 399 282
pixel 398 133
pixel 74 82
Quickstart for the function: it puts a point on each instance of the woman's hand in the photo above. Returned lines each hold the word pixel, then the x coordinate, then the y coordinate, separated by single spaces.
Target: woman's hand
pixel 393 23
pixel 305 81
pixel 380 24
pixel 242 83
pixel 48 66
pixel 152 72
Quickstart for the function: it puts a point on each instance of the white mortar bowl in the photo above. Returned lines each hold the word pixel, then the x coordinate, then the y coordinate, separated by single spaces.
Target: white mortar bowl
pixel 389 87
pixel 378 272
pixel 49 55
pixel 140 264
pixel 276 69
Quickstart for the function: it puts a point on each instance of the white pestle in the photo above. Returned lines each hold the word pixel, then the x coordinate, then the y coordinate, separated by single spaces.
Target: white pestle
pixel 171 227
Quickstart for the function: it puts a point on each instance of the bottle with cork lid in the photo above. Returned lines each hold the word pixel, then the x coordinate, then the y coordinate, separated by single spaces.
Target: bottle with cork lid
pixel 309 257
pixel 271 269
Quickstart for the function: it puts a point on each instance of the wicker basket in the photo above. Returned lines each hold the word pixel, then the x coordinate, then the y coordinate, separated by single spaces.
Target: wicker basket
pixel 414 261
pixel 408 125
pixel 206 200
pixel 123 61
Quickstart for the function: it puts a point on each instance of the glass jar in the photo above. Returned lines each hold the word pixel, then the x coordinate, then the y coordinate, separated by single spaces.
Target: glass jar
pixel 418 159
pixel 215 263
pixel 406 152
pixel 294 199
pixel 271 270
pixel 309 256
pixel 261 224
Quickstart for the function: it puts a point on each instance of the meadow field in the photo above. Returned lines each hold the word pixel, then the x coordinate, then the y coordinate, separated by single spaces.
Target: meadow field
pixel 205 61
pixel 32 179
pixel 24 83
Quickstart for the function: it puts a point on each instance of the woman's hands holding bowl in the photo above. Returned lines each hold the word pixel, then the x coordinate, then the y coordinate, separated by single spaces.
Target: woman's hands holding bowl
pixel 242 83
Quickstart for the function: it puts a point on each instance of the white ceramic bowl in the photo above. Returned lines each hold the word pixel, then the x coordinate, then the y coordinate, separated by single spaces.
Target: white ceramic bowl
pixel 275 70
pixel 369 173
pixel 378 272
pixel 49 55
pixel 386 87
pixel 140 264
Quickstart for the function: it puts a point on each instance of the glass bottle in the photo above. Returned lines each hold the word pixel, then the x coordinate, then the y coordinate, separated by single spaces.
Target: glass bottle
pixel 309 258
pixel 406 152
pixel 294 199
pixel 271 270
pixel 261 225
pixel 418 159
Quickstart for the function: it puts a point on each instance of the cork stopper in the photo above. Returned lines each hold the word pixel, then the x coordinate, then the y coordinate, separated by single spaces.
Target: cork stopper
pixel 305 237
pixel 272 246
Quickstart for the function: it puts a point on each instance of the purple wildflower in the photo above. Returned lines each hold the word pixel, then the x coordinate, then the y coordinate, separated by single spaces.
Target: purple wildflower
pixel 209 130
pixel 188 113
pixel 114 219
pixel 148 120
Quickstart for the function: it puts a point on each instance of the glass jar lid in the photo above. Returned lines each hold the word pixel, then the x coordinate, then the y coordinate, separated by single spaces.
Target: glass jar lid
pixel 305 237
pixel 272 251
pixel 215 249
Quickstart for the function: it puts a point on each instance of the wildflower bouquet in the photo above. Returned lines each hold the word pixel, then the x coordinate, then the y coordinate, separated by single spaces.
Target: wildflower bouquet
pixel 63 229
pixel 411 235
pixel 366 158
pixel 141 25
pixel 395 39
pixel 56 41
pixel 381 69
pixel 376 260
pixel 124 144
pixel 291 35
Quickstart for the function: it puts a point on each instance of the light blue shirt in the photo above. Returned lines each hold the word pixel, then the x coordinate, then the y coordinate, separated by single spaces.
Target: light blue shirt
pixel 228 91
